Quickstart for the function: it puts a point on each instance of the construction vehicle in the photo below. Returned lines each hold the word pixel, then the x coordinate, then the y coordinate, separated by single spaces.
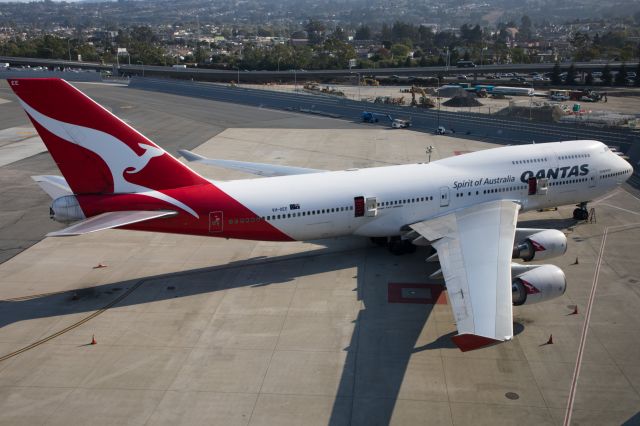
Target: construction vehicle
pixel 425 101
pixel 367 81
pixel 398 123
pixel 374 117
pixel 389 100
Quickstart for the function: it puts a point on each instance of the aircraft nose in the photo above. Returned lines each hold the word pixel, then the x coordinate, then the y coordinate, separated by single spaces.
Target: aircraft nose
pixel 626 166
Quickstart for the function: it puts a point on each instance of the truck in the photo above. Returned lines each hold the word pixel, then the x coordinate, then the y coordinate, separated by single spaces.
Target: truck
pixel 398 123
pixel 465 64
pixel 374 117
pixel 4 65
pixel 515 91
pixel 179 67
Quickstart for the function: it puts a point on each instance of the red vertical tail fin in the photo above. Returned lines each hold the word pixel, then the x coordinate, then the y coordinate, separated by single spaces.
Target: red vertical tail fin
pixel 96 151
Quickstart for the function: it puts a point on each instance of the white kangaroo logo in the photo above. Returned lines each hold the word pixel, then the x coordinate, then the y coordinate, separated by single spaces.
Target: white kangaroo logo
pixel 118 156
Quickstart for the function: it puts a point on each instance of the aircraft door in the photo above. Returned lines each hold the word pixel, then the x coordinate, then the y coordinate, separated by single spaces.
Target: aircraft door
pixel 593 178
pixel 444 196
pixel 216 220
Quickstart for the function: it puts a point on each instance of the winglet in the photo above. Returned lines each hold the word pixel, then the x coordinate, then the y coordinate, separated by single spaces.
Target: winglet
pixel 469 342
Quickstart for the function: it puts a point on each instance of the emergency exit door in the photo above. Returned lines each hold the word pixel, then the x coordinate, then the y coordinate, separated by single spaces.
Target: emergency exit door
pixel 444 196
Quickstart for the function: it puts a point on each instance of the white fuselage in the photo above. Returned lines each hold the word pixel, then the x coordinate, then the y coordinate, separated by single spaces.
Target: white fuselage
pixel 321 205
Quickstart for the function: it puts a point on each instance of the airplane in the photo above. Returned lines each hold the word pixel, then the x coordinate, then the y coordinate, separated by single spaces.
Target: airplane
pixel 465 207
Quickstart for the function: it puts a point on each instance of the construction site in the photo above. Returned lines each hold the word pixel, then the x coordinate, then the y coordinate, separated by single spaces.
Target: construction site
pixel 617 108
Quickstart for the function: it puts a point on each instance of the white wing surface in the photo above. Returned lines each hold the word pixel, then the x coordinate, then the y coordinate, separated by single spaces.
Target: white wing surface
pixel 55 186
pixel 474 247
pixel 260 169
pixel 109 220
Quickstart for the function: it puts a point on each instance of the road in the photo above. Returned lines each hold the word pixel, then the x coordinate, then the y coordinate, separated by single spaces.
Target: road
pixel 475 126
pixel 289 75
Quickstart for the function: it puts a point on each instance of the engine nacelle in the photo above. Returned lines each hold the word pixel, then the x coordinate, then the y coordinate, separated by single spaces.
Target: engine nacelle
pixel 66 209
pixel 537 285
pixel 541 245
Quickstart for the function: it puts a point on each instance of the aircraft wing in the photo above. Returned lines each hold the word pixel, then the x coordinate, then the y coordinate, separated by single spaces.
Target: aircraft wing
pixel 110 220
pixel 474 246
pixel 55 186
pixel 260 169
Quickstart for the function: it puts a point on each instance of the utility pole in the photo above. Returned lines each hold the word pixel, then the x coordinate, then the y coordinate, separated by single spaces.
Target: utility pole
pixel 438 99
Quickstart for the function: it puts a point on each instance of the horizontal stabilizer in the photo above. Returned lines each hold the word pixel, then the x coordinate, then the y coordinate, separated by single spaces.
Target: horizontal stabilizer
pixel 54 186
pixel 260 169
pixel 110 220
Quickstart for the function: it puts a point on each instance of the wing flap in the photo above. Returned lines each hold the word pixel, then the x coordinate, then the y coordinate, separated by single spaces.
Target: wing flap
pixel 260 169
pixel 110 220
pixel 474 248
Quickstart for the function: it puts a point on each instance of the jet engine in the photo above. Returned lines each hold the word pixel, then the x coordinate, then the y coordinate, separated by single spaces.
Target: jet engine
pixel 538 284
pixel 541 245
pixel 66 209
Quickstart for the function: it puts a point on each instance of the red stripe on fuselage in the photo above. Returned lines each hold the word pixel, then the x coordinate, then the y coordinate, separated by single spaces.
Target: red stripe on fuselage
pixel 204 199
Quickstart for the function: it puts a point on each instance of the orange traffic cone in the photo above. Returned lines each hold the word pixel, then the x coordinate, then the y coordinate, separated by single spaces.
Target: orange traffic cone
pixel 93 340
pixel 550 341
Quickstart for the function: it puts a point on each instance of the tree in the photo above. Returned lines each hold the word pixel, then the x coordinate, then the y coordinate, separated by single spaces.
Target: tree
pixel 400 50
pixel 363 33
pixel 588 80
pixel 621 77
pixel 472 35
pixel 315 31
pixel 571 75
pixel 606 75
pixel 524 32
pixel 555 74
pixel 339 34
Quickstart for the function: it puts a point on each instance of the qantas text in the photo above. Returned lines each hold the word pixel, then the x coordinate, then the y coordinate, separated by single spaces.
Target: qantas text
pixel 557 173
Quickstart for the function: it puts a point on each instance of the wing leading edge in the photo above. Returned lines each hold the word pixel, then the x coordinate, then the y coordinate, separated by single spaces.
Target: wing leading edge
pixel 474 247
pixel 110 220
pixel 260 169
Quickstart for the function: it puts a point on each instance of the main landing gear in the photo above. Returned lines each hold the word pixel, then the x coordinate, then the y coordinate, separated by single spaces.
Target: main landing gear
pixel 396 245
pixel 581 213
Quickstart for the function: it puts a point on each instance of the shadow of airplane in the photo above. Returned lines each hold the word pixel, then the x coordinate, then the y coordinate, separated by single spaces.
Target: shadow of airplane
pixel 384 337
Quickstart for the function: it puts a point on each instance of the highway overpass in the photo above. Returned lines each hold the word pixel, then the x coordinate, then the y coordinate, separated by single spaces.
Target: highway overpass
pixel 205 74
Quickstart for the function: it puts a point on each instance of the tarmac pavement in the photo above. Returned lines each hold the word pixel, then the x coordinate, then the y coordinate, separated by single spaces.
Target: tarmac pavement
pixel 194 330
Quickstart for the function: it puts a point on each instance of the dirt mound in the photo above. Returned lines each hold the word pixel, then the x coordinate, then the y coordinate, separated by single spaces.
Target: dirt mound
pixel 546 113
pixel 463 101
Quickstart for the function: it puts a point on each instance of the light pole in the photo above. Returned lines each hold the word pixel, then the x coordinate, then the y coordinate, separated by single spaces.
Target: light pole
pixel 279 64
pixel 429 151
pixel 238 79
pixel 531 101
pixel 295 80
pixel 140 62
pixel 438 99
pixel 358 75
pixel 447 60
